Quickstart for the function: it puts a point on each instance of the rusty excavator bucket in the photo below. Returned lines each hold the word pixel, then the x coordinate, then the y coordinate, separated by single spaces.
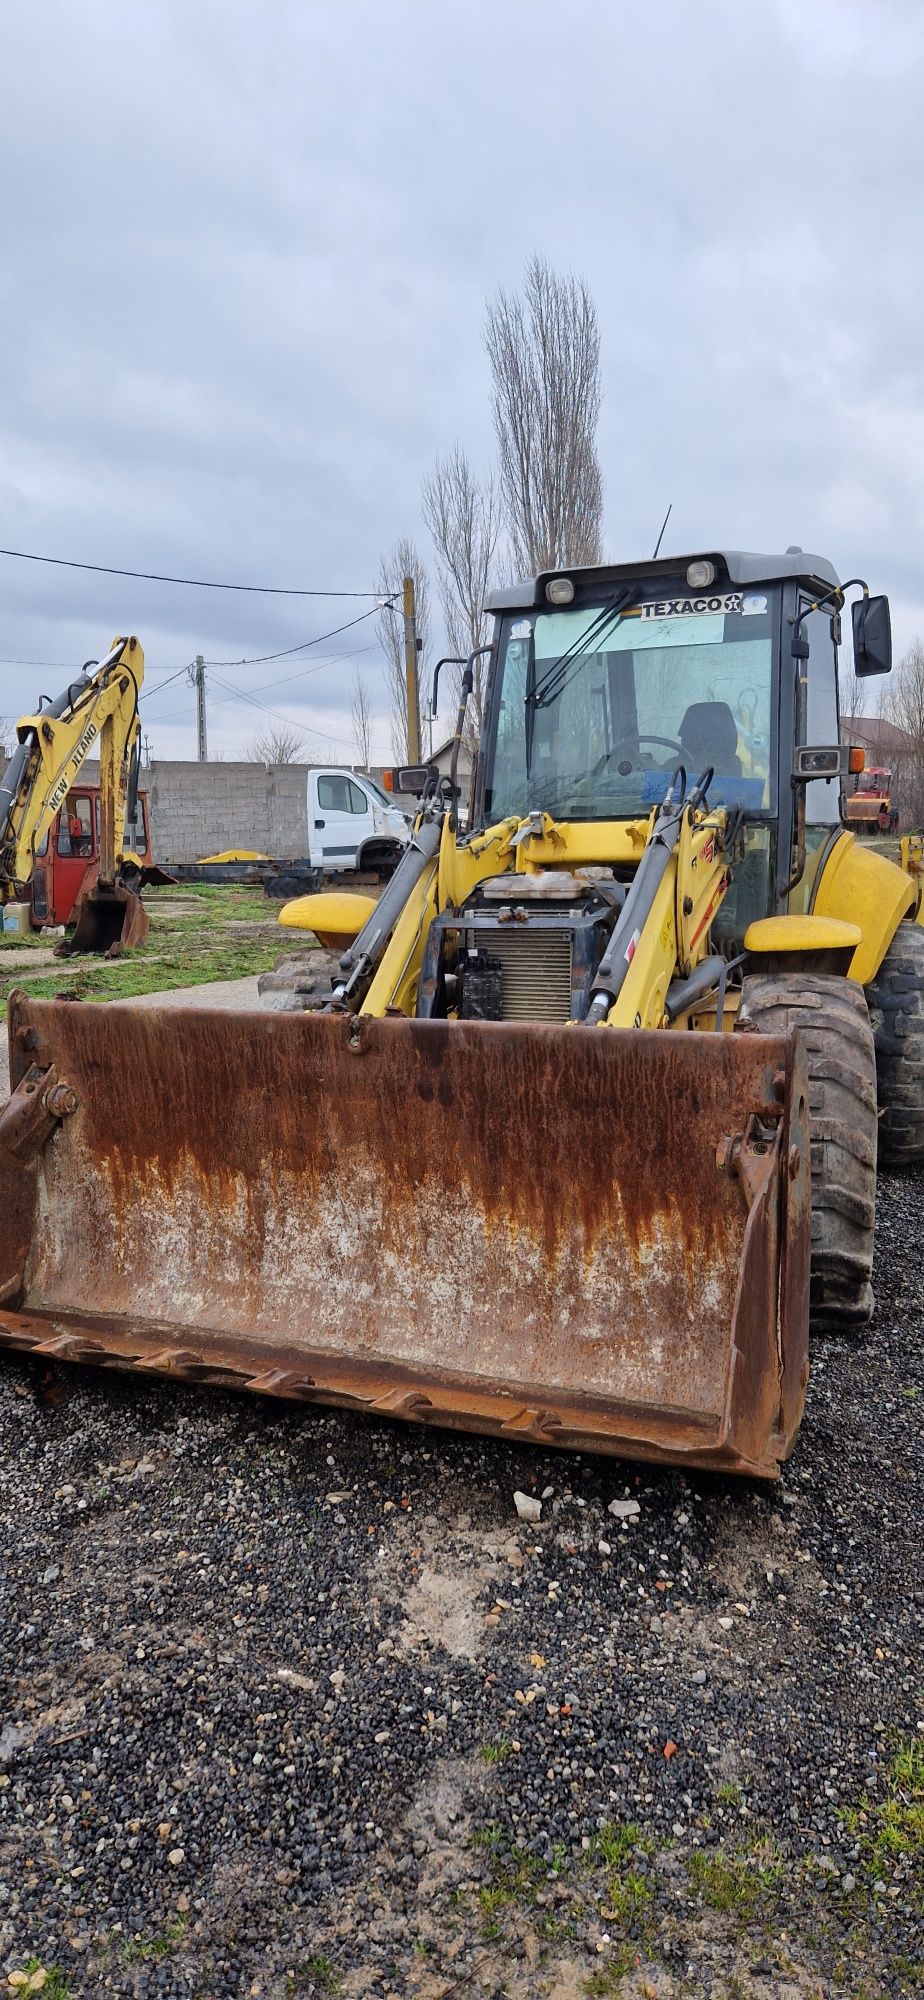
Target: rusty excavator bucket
pixel 589 1238
pixel 111 919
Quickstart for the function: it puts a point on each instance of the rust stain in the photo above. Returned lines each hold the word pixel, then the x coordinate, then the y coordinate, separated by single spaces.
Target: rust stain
pixel 415 1215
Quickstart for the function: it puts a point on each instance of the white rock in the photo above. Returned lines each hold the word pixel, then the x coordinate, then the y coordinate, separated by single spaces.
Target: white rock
pixel 624 1510
pixel 604 1549
pixel 726 1624
pixel 528 1508
pixel 176 1857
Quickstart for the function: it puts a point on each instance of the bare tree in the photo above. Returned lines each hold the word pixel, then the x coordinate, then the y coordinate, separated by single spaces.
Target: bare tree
pixel 903 707
pixel 361 719
pixel 402 561
pixel 544 351
pixel 278 744
pixel 464 520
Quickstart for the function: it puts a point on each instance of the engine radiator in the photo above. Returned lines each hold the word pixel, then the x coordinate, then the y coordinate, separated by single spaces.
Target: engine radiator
pixel 536 971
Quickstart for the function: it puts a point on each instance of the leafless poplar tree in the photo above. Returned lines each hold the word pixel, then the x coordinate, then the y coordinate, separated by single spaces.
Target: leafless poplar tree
pixel 903 706
pixel 464 519
pixel 544 351
pixel 361 719
pixel 278 744
pixel 402 561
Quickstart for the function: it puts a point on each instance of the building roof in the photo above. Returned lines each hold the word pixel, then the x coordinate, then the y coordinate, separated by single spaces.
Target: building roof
pixel 885 739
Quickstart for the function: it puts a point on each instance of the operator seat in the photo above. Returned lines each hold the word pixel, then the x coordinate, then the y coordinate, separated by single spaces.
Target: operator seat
pixel 709 735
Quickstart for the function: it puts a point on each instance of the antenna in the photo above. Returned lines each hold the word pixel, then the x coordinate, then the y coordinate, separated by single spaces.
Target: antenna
pixel 661 536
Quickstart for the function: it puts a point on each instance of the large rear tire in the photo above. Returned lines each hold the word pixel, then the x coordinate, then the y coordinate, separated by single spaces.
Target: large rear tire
pixel 896 1010
pixel 831 1015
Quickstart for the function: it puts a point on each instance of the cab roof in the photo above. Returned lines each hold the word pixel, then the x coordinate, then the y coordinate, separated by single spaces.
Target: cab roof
pixel 736 566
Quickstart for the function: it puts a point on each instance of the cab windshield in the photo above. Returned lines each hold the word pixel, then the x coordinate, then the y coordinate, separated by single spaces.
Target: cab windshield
pixel 595 712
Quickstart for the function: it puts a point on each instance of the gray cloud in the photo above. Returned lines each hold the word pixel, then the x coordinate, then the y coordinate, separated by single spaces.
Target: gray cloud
pixel 244 264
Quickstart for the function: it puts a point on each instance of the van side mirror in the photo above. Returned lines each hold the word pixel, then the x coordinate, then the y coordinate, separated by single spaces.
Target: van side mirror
pixel 872 636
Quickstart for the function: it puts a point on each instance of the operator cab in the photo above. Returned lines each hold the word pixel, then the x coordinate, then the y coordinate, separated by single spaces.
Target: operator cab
pixel 605 680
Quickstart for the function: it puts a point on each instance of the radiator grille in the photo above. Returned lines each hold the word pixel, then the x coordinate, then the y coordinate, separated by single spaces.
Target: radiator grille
pixel 536 971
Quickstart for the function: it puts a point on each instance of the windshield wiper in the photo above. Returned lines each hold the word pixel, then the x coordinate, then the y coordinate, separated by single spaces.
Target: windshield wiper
pixel 543 692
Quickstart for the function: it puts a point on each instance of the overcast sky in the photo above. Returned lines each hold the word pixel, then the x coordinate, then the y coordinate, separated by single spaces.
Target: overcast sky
pixel 245 254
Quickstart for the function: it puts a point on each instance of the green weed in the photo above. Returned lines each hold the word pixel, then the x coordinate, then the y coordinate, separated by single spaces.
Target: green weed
pixel 161 1945
pixel 496 1752
pixel 740 1882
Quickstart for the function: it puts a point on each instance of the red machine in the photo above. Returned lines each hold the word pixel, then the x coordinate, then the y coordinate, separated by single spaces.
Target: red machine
pixel 67 859
pixel 868 808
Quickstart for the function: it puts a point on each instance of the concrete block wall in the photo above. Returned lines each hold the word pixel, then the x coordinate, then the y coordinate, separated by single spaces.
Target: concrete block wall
pixel 198 809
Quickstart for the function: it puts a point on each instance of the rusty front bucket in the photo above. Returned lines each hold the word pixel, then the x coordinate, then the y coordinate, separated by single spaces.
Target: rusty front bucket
pixel 587 1238
pixel 110 920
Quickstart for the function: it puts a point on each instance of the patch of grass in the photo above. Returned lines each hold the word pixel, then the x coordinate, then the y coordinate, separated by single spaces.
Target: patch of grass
pixel 140 1949
pixel 898 1822
pixel 608 1982
pixel 614 1842
pixel 496 1752
pixel 515 1882
pixel 490 1836
pixel 629 1898
pixel 740 1881
pixel 186 949
pixel 729 1794
pixel 36 1978
pixel 316 1975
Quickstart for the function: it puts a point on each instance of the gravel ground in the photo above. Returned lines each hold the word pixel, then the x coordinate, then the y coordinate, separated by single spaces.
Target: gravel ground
pixel 293 1703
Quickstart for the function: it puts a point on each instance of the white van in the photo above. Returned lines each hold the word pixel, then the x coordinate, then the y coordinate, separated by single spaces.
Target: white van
pixel 352 823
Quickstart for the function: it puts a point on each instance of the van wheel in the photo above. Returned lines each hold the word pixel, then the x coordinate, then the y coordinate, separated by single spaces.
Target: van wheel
pixel 832 1017
pixel 896 1009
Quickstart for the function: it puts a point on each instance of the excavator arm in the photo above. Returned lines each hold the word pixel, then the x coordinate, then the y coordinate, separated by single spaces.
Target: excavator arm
pixel 97 715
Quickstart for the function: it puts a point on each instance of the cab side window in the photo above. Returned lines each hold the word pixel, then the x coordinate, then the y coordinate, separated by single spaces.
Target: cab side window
pixel 334 794
pixel 75 827
pixel 337 793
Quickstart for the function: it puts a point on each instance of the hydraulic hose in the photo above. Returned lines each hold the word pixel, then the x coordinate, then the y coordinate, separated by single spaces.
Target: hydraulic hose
pixel 368 947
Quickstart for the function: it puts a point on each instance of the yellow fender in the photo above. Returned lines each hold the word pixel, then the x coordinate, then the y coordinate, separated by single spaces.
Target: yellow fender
pixel 336 916
pixel 862 887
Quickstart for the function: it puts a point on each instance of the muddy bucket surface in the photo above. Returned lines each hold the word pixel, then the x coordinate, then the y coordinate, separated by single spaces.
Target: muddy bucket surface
pixel 590 1238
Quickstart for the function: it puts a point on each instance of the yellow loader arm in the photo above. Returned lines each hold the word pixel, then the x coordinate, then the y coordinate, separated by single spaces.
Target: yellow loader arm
pixel 660 968
pixel 96 715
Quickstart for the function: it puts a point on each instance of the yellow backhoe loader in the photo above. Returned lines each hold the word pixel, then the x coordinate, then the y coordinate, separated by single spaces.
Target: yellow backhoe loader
pixel 587 1121
pixel 96 716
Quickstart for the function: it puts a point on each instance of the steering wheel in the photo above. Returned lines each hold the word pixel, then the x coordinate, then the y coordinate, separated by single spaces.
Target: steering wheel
pixel 641 737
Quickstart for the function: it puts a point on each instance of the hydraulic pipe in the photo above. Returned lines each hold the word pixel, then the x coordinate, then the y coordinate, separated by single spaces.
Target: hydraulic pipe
pixel 617 958
pixel 363 955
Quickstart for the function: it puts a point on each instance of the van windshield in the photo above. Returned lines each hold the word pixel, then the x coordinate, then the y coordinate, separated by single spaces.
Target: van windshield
pixel 597 734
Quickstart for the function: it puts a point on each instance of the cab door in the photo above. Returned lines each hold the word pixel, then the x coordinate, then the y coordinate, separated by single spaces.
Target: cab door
pixel 341 820
pixel 75 848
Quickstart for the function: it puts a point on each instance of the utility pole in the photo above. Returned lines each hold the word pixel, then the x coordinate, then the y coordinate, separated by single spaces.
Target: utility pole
pixel 410 668
pixel 146 744
pixel 197 676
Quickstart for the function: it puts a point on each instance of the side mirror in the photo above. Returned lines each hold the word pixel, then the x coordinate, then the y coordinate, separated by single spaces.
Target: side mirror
pixel 411 779
pixel 872 636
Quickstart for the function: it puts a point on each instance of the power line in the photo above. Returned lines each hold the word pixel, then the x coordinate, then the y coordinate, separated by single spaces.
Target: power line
pixel 148 692
pixel 260 659
pixel 274 713
pixel 192 582
pixel 321 667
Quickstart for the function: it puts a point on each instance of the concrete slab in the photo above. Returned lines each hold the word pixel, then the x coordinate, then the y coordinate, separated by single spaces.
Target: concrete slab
pixel 225 995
